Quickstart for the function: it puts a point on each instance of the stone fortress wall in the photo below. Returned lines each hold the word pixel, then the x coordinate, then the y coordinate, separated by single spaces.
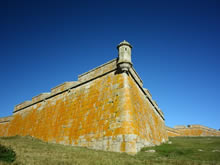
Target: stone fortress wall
pixel 106 109
pixel 191 130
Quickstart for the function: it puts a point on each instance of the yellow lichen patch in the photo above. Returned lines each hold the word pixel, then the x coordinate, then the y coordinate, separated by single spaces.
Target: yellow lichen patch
pixel 149 124
pixel 83 113
pixel 3 129
pixel 96 114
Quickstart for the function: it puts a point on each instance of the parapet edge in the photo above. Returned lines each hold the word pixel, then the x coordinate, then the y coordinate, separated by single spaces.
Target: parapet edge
pixel 98 71
pixel 44 96
pixel 179 126
pixel 64 86
pixel 5 119
pixel 40 97
pixel 136 76
pixel 172 130
pixel 83 78
pixel 22 105
pixel 194 126
pixel 138 81
pixel 148 92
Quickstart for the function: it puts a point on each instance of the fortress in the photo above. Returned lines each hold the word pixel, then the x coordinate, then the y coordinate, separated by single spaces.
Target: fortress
pixel 106 109
pixel 191 130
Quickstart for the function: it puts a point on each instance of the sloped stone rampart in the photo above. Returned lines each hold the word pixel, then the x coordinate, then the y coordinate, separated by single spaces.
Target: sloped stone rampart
pixel 171 132
pixel 4 122
pixel 192 130
pixel 148 121
pixel 105 110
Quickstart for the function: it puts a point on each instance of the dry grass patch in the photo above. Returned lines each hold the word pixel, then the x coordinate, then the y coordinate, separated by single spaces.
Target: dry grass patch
pixel 183 151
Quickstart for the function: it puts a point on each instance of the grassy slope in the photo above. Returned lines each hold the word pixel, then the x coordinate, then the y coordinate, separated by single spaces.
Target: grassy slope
pixel 182 151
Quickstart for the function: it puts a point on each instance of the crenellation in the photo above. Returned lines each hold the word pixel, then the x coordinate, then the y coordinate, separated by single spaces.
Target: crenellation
pixel 98 71
pixel 155 103
pixel 5 119
pixel 194 130
pixel 22 105
pixel 62 87
pixel 171 132
pixel 136 77
pixel 148 93
pixel 179 126
pixel 40 97
pixel 160 111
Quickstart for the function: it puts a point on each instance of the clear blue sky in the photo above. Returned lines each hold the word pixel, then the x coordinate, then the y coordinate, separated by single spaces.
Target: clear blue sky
pixel 176 50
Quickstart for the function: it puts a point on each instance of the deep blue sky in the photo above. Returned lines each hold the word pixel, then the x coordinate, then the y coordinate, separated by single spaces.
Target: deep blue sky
pixel 176 50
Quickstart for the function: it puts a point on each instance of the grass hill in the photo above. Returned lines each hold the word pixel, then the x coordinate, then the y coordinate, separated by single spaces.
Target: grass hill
pixel 179 151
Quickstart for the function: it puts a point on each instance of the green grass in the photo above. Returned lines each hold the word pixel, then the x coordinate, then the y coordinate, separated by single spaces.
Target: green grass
pixel 182 151
pixel 195 149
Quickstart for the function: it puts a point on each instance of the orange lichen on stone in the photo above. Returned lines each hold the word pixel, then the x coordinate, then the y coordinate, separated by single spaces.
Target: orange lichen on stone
pixel 171 132
pixel 106 109
pixel 108 113
pixel 148 122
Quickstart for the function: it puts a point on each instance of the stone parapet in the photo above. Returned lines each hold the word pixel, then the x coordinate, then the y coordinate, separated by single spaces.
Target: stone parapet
pixel 63 87
pixel 40 97
pixel 44 96
pixel 22 105
pixel 136 77
pixel 172 132
pixel 201 126
pixel 6 119
pixel 194 130
pixel 86 77
pixel 179 126
pixel 98 71
pixel 90 75
pixel 147 93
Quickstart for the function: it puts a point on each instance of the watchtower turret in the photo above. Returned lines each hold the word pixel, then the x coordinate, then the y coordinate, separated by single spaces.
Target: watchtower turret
pixel 124 56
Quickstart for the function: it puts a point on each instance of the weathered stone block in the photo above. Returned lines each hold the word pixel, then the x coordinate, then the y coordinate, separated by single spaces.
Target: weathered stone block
pixel 40 97
pixel 63 87
pixel 22 105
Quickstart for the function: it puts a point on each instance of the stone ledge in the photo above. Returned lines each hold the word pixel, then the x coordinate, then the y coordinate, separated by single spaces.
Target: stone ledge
pixel 134 75
pixel 98 71
pixel 64 86
pixel 172 130
pixel 148 92
pixel 179 126
pixel 201 126
pixel 85 78
pixel 195 127
pixel 22 105
pixel 5 119
pixel 210 131
pixel 39 97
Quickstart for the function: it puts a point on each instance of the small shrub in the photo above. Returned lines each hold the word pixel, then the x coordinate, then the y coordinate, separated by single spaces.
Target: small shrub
pixel 6 154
